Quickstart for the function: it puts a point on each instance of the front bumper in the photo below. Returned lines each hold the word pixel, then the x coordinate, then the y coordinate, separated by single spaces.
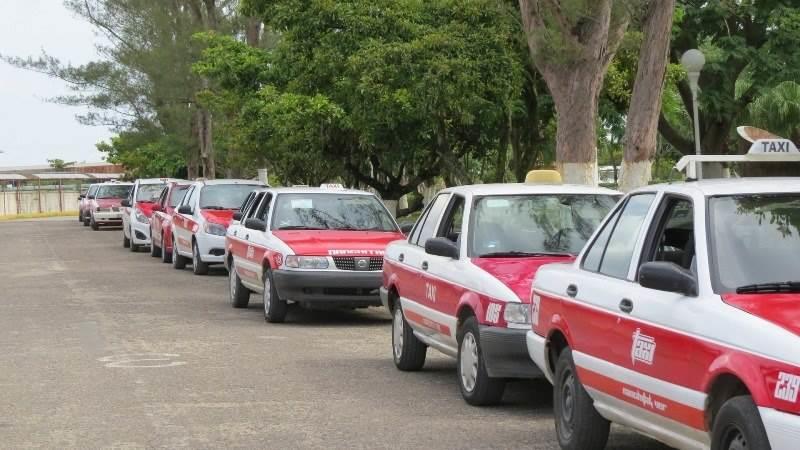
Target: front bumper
pixel 331 288
pixel 140 232
pixel 506 353
pixel 107 217
pixel 211 247
pixel 384 293
pixel 783 429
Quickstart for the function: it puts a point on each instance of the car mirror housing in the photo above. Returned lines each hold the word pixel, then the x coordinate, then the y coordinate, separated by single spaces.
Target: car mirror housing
pixel 255 224
pixel 126 203
pixel 441 246
pixel 82 196
pixel 669 277
pixel 185 209
pixel 237 216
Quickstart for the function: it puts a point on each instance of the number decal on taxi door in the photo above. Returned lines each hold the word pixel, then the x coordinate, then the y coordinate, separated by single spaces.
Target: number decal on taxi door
pixel 493 313
pixel 430 292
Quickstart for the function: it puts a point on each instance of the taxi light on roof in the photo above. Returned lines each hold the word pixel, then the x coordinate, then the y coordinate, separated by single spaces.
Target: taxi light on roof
pixel 543 177
pixel 780 145
pixel 331 186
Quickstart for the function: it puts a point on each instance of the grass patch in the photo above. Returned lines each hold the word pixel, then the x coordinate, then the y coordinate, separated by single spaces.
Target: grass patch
pixel 37 215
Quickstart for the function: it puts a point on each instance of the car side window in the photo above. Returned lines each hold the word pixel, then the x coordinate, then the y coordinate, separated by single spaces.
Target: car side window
pixel 263 212
pixel 92 191
pixel 162 199
pixel 617 254
pixel 245 208
pixel 673 234
pixel 454 218
pixel 594 255
pixel 426 226
pixel 187 198
pixel 252 211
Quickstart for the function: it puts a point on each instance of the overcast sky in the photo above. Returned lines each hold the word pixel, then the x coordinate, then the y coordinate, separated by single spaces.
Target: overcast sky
pixel 31 129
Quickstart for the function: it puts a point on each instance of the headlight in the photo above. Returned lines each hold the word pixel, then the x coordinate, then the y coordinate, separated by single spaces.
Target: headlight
pixel 306 262
pixel 214 228
pixel 140 217
pixel 517 313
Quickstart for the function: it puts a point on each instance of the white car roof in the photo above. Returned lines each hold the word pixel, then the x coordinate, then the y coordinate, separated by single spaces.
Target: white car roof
pixel 729 186
pixel 231 181
pixel 318 190
pixel 155 180
pixel 524 188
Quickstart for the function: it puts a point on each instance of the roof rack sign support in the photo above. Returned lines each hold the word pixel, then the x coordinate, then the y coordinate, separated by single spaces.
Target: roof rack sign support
pixel 762 150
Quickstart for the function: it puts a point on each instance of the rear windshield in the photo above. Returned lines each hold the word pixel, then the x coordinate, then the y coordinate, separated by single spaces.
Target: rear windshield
pixel 350 212
pixel 149 192
pixel 224 196
pixel 177 194
pixel 114 191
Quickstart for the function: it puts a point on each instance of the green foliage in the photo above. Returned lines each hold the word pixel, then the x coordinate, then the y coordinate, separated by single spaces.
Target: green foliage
pixel 146 153
pixel 59 164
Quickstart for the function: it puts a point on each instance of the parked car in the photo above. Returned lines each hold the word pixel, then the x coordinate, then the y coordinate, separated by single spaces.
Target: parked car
pixel 200 222
pixel 137 210
pixel 679 319
pixel 316 247
pixel 83 203
pixel 106 205
pixel 461 281
pixel 161 220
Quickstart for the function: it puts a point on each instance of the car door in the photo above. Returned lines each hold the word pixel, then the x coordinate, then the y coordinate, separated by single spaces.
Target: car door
pixel 251 249
pixel 127 211
pixel 182 223
pixel 156 223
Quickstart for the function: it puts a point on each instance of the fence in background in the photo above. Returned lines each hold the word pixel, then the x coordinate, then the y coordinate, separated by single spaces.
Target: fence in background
pixel 17 199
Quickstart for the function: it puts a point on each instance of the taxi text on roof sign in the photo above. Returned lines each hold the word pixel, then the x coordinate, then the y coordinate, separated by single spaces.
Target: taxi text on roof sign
pixel 331 186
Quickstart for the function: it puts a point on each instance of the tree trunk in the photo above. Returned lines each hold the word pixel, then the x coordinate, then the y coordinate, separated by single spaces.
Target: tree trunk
pixel 253 31
pixel 641 130
pixel 204 138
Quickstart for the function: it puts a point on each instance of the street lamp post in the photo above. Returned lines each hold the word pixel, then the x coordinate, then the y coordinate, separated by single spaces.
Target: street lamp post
pixel 693 61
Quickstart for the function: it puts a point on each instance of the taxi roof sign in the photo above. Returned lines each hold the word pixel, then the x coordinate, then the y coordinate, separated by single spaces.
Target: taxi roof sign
pixel 331 186
pixel 543 177
pixel 779 145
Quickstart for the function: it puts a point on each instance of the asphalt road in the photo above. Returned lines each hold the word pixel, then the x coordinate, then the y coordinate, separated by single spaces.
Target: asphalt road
pixel 103 348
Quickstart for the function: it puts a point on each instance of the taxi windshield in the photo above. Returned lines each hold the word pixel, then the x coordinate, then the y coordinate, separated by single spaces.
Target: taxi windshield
pixel 535 223
pixel 350 212
pixel 224 196
pixel 113 191
pixel 149 192
pixel 755 240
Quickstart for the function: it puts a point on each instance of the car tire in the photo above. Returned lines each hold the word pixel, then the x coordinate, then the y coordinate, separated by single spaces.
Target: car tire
pixel 178 260
pixel 80 216
pixel 134 247
pixel 240 295
pixel 275 309
pixel 738 425
pixel 408 351
pixel 155 251
pixel 85 221
pixel 126 242
pixel 93 224
pixel 166 257
pixel 578 424
pixel 198 266
pixel 477 387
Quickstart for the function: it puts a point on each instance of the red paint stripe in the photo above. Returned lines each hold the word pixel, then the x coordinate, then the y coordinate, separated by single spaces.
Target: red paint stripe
pixel 428 323
pixel 662 406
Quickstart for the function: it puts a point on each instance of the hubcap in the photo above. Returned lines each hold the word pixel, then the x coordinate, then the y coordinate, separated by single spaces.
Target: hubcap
pixel 232 278
pixel 397 334
pixel 267 294
pixel 196 256
pixel 567 404
pixel 469 362
pixel 736 440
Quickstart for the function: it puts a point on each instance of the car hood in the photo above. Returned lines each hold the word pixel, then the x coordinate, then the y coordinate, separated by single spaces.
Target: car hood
pixel 782 310
pixel 219 216
pixel 337 243
pixel 517 273
pixel 146 208
pixel 108 202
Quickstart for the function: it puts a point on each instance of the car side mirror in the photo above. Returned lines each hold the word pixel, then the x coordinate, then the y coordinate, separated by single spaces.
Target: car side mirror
pixel 82 196
pixel 255 224
pixel 669 277
pixel 90 197
pixel 126 203
pixel 406 228
pixel 185 209
pixel 237 216
pixel 441 246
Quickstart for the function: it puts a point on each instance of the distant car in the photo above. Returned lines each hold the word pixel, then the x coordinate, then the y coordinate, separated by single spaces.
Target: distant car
pixel 137 210
pixel 461 281
pixel 83 203
pixel 200 222
pixel 161 220
pixel 316 247
pixel 105 208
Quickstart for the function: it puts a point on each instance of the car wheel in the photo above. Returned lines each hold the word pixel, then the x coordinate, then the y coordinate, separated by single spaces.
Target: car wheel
pixel 198 266
pixel 477 387
pixel 85 221
pixel 178 260
pixel 166 257
pixel 408 351
pixel 240 295
pixel 94 224
pixel 738 426
pixel 155 251
pixel 134 247
pixel 274 308
pixel 126 242
pixel 578 425
pixel 80 216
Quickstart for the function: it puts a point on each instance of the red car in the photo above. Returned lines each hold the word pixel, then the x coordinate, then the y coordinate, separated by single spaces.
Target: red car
pixel 161 220
pixel 83 204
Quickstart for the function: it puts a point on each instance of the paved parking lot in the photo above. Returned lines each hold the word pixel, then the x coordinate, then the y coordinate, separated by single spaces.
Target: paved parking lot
pixel 103 348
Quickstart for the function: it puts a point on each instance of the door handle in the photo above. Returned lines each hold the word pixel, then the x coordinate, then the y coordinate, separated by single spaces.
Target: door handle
pixel 401 257
pixel 572 290
pixel 236 233
pixel 424 265
pixel 246 237
pixel 626 305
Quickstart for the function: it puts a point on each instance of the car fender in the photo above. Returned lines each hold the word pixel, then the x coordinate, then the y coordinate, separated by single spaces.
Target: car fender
pixel 472 301
pixel 744 367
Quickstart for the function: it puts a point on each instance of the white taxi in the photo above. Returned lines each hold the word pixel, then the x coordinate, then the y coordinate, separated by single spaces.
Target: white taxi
pixel 137 210
pixel 461 281
pixel 680 318
pixel 316 247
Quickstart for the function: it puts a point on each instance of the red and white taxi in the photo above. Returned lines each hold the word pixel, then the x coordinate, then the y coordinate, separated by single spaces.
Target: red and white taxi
pixel 137 210
pixel 680 319
pixel 317 247
pixel 461 281
pixel 161 220
pixel 83 203
pixel 105 206
pixel 202 217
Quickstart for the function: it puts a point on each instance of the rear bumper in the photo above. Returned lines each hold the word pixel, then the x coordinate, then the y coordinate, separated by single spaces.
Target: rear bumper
pixel 783 429
pixel 506 353
pixel 333 288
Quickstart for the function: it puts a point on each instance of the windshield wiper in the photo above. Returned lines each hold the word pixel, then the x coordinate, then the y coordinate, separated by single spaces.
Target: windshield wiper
pixel 301 227
pixel 512 254
pixel 348 228
pixel 214 207
pixel 782 286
